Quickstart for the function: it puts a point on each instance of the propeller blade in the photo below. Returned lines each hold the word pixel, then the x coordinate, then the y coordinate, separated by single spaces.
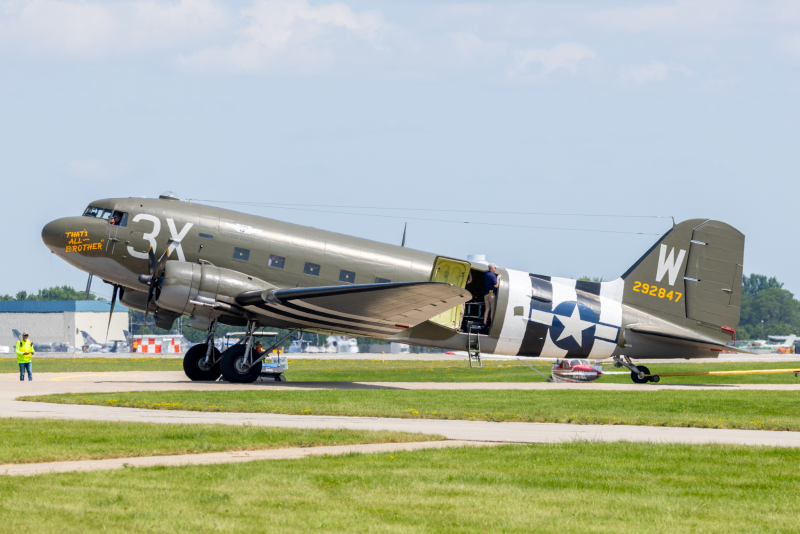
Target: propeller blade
pixel 151 257
pixel 147 304
pixel 88 285
pixel 405 227
pixel 111 313
pixel 156 272
pixel 162 263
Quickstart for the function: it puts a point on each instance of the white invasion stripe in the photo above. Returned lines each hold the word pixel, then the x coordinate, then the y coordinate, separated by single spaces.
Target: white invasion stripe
pixel 539 316
pixel 611 302
pixel 563 291
pixel 608 333
pixel 602 349
pixel 610 314
pixel 519 294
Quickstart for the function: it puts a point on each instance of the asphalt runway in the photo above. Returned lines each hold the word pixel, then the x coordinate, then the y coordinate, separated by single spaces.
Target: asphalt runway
pixel 45 383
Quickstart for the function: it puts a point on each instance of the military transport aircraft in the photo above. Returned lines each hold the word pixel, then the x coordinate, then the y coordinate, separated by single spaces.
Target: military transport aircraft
pixel 169 257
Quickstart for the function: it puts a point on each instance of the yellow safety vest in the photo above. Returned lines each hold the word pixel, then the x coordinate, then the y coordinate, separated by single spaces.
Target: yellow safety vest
pixel 21 347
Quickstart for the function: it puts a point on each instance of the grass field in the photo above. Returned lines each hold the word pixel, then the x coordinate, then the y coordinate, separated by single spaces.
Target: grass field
pixel 759 410
pixel 48 440
pixel 84 365
pixel 564 488
pixel 417 371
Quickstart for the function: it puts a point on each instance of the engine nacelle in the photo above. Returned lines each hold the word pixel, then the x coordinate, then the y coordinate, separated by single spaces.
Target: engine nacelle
pixel 135 300
pixel 204 291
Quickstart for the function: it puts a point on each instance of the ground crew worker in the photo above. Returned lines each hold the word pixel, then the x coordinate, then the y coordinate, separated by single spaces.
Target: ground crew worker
pixel 491 282
pixel 258 347
pixel 24 350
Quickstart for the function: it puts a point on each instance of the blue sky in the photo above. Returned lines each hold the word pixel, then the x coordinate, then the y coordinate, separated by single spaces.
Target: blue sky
pixel 683 109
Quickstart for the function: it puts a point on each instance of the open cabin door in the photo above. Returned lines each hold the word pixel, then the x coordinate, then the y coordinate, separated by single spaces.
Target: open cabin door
pixel 454 272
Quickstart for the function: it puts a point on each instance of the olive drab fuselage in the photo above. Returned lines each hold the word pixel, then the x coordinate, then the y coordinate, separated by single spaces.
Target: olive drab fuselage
pixel 535 315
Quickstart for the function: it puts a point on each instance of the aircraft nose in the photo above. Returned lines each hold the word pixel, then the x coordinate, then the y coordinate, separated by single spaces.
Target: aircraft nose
pixel 53 234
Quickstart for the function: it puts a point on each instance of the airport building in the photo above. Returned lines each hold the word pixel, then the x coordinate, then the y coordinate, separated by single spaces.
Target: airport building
pixel 60 321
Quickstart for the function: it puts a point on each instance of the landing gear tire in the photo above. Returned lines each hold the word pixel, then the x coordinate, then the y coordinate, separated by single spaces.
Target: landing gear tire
pixel 234 369
pixel 643 370
pixel 195 367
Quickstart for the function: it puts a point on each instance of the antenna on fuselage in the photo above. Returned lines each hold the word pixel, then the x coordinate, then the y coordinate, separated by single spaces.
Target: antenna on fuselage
pixel 403 243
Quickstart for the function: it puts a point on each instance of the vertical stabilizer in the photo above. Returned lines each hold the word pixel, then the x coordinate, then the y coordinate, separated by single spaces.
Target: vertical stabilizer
pixel 694 271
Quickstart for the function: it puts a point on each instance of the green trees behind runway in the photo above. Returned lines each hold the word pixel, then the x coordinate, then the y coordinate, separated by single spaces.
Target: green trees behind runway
pixel 51 293
pixel 767 309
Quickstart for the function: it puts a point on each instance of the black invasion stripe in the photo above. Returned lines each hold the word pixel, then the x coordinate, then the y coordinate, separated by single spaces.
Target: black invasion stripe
pixel 535 333
pixel 334 326
pixel 589 298
pixel 292 305
pixel 593 288
pixel 541 277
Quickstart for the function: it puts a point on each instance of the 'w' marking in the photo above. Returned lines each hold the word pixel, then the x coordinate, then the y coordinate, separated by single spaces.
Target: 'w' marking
pixel 669 264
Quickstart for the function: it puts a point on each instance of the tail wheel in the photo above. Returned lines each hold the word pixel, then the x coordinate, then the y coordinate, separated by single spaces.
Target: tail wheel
pixel 195 366
pixel 643 370
pixel 234 368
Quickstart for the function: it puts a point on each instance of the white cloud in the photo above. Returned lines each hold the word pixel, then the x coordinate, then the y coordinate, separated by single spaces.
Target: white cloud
pixel 653 72
pixel 293 35
pixel 96 169
pixel 511 42
pixel 563 56
pixel 86 30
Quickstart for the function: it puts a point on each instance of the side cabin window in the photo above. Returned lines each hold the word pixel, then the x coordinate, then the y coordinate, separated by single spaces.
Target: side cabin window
pixel 276 261
pixel 119 218
pixel 348 277
pixel 241 254
pixel 379 280
pixel 311 268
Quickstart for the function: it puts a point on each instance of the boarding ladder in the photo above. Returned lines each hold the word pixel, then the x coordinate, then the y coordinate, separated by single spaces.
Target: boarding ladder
pixel 473 347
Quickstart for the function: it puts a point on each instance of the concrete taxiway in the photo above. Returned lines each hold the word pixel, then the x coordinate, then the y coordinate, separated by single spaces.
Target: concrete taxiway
pixel 44 383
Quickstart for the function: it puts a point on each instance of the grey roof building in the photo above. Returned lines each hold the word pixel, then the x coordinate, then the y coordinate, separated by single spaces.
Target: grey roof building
pixel 51 321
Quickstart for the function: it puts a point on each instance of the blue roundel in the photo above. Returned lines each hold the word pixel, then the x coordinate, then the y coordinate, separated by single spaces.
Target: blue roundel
pixel 583 329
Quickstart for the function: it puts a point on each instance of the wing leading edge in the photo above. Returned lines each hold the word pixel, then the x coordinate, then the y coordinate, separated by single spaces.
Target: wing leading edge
pixel 372 310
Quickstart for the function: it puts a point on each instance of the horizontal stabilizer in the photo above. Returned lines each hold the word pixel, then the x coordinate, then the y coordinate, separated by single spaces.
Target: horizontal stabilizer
pixel 372 310
pixel 685 341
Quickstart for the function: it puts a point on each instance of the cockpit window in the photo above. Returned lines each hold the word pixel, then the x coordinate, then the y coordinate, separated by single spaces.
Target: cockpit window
pixel 92 211
pixel 118 218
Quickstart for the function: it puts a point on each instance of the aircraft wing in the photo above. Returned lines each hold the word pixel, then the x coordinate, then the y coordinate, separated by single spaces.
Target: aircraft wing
pixel 371 310
pixel 685 341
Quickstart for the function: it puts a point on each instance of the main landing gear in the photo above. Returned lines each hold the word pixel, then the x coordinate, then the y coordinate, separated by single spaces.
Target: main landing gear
pixel 201 362
pixel 638 372
pixel 241 363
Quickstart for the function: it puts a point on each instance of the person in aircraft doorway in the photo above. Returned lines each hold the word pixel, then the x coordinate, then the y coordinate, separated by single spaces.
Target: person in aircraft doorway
pixel 115 219
pixel 491 282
